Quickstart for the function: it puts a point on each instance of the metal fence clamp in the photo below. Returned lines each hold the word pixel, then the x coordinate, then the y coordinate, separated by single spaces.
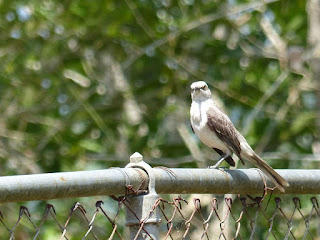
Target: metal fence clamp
pixel 143 218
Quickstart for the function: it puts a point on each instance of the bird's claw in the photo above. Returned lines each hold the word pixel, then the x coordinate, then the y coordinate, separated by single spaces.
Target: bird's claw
pixel 217 167
pixel 212 167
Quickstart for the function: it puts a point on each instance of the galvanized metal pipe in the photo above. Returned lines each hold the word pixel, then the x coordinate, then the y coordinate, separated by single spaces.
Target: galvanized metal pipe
pixel 176 181
pixel 69 184
pixel 240 181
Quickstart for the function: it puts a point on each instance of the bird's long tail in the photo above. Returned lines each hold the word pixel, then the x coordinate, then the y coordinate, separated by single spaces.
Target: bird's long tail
pixel 279 181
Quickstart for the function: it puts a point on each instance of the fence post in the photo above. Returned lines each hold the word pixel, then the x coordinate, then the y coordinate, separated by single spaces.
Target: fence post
pixel 142 217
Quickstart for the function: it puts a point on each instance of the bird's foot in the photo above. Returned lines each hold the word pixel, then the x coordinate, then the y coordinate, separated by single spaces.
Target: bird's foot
pixel 217 167
pixel 219 162
pixel 222 169
pixel 213 167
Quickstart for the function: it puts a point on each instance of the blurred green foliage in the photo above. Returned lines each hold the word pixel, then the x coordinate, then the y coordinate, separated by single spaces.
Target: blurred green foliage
pixel 85 80
pixel 84 84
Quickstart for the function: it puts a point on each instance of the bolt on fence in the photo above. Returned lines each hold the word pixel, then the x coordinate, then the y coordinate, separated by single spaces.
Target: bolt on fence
pixel 153 216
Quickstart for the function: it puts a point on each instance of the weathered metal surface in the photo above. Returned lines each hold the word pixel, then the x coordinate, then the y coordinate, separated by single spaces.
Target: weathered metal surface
pixel 178 181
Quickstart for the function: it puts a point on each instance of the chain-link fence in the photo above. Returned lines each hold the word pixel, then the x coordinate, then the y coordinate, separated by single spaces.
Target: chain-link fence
pixel 134 210
pixel 206 217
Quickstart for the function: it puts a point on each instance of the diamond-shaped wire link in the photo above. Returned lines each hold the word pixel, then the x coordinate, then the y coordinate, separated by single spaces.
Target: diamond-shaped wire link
pixel 187 219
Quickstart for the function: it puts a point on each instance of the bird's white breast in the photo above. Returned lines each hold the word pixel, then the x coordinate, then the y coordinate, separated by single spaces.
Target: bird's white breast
pixel 198 118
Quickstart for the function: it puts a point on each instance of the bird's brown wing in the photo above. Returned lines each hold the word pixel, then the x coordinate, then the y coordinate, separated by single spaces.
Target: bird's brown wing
pixel 225 131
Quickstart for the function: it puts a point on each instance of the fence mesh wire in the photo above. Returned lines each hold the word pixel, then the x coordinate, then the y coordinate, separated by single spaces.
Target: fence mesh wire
pixel 182 217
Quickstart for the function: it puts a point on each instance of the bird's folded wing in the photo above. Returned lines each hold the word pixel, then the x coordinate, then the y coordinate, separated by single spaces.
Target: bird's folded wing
pixel 224 129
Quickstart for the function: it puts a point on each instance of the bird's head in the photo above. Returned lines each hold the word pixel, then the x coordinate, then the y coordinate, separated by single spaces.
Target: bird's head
pixel 200 91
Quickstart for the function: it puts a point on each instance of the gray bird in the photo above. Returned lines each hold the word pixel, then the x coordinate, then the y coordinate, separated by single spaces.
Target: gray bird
pixel 215 129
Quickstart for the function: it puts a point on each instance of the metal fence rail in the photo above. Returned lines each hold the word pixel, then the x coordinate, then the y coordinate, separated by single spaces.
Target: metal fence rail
pixel 167 181
pixel 139 185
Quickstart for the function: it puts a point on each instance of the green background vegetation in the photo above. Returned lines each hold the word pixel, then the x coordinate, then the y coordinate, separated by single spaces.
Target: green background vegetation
pixel 84 84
